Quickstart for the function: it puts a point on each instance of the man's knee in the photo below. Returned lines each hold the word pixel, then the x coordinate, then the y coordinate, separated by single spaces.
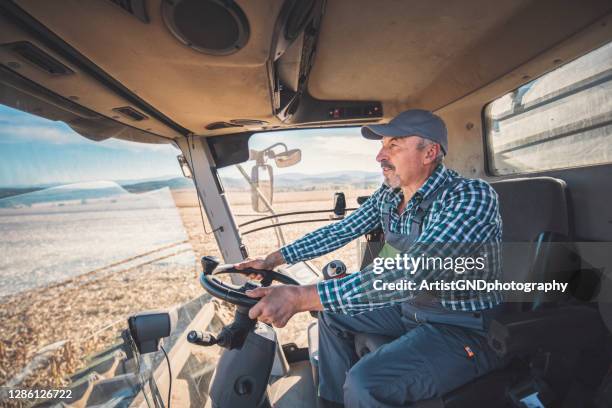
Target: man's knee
pixel 370 384
pixel 362 389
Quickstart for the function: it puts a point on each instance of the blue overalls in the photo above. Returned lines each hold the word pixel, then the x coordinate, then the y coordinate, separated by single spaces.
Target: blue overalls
pixel 435 351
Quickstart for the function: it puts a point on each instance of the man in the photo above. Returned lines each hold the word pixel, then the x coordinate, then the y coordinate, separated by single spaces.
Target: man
pixel 424 209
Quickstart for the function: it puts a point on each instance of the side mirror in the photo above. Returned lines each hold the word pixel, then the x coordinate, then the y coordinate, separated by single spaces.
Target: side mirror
pixel 288 158
pixel 262 187
pixel 339 205
pixel 184 166
pixel 147 328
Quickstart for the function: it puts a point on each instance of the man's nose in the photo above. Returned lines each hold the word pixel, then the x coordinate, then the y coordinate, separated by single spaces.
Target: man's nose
pixel 382 154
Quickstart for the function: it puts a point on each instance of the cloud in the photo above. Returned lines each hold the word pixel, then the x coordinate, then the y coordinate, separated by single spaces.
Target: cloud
pixel 346 145
pixel 324 150
pixel 138 147
pixel 19 133
pixel 20 127
pixel 60 134
pixel 340 141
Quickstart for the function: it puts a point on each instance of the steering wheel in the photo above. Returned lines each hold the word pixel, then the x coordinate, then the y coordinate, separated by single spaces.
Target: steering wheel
pixel 233 293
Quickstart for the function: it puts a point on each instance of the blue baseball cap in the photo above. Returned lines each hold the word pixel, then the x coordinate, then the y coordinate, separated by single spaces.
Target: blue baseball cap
pixel 410 123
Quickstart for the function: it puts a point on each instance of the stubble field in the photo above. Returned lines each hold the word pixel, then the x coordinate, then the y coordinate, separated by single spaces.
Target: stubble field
pixel 84 314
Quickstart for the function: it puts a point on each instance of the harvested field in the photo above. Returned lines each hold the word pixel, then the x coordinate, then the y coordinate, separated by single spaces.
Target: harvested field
pixel 85 314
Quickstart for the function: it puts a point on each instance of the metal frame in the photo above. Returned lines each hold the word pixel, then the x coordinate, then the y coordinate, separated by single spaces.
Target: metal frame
pixel 212 198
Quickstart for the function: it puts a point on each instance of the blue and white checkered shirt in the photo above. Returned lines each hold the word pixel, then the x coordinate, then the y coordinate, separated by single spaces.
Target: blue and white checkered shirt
pixel 466 213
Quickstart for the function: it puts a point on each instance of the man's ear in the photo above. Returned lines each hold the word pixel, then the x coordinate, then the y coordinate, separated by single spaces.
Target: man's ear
pixel 431 153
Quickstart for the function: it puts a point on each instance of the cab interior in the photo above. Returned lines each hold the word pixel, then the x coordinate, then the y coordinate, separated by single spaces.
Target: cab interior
pixel 207 75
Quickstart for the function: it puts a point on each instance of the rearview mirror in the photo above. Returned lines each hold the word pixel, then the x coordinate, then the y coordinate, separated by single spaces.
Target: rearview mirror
pixel 262 184
pixel 288 158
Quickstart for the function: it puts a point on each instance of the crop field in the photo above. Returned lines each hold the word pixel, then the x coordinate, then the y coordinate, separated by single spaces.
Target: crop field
pixel 47 331
pixel 262 242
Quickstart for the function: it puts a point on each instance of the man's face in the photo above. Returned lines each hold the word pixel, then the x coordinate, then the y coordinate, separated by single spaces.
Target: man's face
pixel 401 160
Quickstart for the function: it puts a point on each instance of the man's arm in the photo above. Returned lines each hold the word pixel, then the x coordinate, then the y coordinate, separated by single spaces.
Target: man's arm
pixel 325 239
pixel 337 234
pixel 469 216
pixel 270 262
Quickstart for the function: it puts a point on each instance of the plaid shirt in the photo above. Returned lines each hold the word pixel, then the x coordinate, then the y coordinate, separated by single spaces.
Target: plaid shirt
pixel 467 213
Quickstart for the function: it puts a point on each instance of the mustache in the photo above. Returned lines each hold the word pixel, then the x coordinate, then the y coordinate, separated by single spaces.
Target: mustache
pixel 385 164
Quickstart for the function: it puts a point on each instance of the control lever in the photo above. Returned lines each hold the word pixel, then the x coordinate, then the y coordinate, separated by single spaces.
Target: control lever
pixel 334 270
pixel 230 337
pixel 339 205
pixel 209 263
pixel 201 338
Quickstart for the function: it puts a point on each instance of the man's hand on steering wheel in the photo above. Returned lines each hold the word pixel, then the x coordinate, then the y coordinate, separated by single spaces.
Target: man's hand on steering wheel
pixel 269 262
pixel 278 304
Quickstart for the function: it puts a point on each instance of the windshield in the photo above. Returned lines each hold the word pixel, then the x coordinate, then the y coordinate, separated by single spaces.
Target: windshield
pixel 331 161
pixel 90 233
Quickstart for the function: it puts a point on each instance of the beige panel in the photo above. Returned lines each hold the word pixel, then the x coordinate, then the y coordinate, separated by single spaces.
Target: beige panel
pixel 390 50
pixel 428 54
pixel 531 32
pixel 79 87
pixel 190 87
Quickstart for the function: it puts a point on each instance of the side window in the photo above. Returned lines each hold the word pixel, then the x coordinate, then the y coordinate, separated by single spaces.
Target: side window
pixel 560 120
pixel 90 233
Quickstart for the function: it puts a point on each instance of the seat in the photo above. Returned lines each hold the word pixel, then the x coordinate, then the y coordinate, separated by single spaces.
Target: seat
pixel 535 217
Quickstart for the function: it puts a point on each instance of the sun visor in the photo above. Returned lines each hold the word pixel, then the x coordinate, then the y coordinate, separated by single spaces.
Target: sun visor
pixel 27 96
pixel 230 149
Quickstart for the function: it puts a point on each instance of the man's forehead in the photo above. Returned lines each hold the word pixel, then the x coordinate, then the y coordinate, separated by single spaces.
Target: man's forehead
pixel 389 139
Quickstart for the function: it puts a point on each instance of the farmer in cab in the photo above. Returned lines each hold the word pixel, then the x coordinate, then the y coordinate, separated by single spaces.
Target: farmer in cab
pixel 422 206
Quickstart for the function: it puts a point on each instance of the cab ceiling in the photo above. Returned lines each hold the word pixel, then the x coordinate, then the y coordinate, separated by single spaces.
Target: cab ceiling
pixel 404 53
pixel 429 53
pixel 190 87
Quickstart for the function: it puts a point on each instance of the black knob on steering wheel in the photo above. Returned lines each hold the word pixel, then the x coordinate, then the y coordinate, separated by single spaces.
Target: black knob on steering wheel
pixel 233 293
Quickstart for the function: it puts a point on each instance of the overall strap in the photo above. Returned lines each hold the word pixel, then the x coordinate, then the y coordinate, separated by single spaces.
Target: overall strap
pixel 416 224
pixel 386 217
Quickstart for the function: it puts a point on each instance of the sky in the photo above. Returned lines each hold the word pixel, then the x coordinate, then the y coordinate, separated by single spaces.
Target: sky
pixel 37 151
pixel 323 150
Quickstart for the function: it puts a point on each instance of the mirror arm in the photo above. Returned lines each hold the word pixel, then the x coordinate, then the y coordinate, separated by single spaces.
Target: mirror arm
pixel 270 148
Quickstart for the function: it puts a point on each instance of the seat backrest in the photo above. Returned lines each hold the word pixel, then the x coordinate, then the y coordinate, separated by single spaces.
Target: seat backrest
pixel 531 209
pixel 530 206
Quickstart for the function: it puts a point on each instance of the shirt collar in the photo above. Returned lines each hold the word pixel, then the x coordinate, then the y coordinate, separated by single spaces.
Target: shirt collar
pixel 437 178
